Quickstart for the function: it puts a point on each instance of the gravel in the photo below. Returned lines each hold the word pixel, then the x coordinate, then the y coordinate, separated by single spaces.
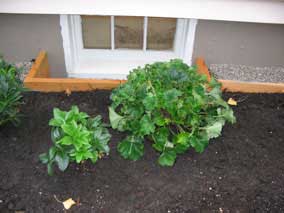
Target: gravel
pixel 25 68
pixel 248 73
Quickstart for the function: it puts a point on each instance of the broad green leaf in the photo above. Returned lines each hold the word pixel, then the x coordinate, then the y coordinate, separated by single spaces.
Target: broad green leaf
pixel 228 114
pixel 66 140
pixel 94 158
pixel 52 153
pixel 58 114
pixel 182 138
pixel 181 148
pixel 101 139
pixel 135 111
pixel 146 125
pixel 159 119
pixel 56 134
pixel 167 158
pixel 70 128
pixel 214 130
pixel 160 138
pixel 98 134
pixel 216 93
pixel 178 75
pixel 81 116
pixel 79 157
pixel 75 109
pixel 116 121
pixel 171 95
pixel 161 134
pixel 56 122
pixel 131 148
pixel 150 102
pixel 44 158
pixel 62 160
pixel 199 144
pixel 198 94
pixel 87 154
pixel 95 122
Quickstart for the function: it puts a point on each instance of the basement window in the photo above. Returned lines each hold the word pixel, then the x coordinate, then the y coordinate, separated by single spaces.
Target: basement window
pixel 108 47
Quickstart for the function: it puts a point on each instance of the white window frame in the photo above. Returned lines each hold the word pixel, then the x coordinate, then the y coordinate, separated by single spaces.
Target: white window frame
pixel 116 63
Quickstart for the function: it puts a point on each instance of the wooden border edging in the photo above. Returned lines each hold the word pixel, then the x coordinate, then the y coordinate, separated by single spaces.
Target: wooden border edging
pixel 38 79
pixel 241 86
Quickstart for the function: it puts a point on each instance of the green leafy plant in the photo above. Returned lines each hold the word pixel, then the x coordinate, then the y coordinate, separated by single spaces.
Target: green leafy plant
pixel 11 88
pixel 76 138
pixel 172 105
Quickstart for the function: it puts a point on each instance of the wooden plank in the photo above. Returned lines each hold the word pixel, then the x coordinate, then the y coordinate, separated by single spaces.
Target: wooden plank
pixel 202 68
pixel 40 68
pixel 70 84
pixel 251 87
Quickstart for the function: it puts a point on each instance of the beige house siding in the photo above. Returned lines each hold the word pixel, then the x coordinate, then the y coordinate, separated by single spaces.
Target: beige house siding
pixel 22 36
pixel 239 43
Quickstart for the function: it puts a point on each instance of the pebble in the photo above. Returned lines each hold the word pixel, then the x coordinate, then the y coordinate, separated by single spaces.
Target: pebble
pixel 25 67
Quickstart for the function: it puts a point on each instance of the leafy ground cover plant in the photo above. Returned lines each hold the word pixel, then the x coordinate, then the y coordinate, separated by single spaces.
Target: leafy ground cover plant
pixel 172 105
pixel 11 88
pixel 76 138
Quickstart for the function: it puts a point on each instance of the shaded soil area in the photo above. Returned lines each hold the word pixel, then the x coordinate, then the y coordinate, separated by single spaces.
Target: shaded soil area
pixel 241 171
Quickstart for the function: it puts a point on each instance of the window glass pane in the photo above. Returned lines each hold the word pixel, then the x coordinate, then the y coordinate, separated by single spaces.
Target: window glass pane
pixel 161 33
pixel 128 32
pixel 96 32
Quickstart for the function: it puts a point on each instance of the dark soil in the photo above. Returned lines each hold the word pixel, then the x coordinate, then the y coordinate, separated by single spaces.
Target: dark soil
pixel 241 171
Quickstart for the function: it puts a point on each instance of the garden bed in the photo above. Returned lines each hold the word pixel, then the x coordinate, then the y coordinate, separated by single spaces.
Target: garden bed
pixel 241 171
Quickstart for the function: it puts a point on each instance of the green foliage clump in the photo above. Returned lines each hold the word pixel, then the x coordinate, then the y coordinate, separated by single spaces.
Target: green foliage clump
pixel 172 105
pixel 76 138
pixel 11 88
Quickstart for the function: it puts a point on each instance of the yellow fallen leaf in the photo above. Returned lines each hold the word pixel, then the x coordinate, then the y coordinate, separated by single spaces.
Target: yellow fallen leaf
pixel 68 203
pixel 232 102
